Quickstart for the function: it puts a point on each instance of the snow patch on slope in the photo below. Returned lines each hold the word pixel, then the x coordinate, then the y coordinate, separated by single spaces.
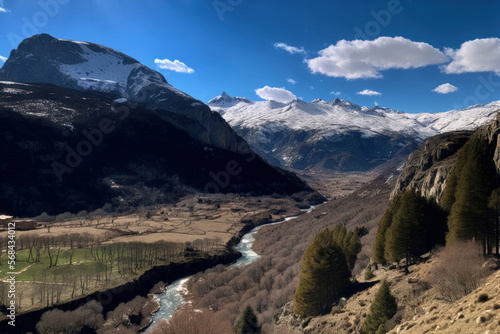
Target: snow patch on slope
pixel 101 71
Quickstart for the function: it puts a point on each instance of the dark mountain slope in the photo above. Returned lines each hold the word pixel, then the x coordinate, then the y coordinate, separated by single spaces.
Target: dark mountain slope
pixel 66 150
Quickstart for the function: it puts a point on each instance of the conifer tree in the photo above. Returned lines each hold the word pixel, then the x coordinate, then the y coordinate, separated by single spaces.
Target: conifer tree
pixel 494 204
pixel 247 323
pixel 404 236
pixel 323 276
pixel 352 248
pixel 378 248
pixel 468 217
pixel 383 308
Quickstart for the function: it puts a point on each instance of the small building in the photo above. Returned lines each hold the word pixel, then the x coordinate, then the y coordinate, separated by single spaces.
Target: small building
pixel 5 220
pixel 27 224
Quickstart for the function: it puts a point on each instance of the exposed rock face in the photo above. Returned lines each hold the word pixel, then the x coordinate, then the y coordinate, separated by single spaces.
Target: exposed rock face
pixel 428 167
pixel 91 67
pixel 430 164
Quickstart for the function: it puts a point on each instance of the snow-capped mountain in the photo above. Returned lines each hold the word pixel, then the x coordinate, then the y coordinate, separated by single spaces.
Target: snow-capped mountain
pixel 338 134
pixel 226 101
pixel 90 67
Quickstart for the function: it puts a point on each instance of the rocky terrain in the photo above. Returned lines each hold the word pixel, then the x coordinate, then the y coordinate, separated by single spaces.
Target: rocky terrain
pixel 420 307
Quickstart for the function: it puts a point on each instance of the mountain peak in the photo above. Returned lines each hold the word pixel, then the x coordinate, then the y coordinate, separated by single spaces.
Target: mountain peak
pixel 224 100
pixel 87 66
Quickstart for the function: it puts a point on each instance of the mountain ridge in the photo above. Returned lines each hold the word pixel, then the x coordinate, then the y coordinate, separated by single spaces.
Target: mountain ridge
pixel 338 134
pixel 91 67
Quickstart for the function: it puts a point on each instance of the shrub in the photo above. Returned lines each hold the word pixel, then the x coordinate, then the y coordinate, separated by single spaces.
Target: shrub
pixel 87 317
pixel 204 322
pixel 457 270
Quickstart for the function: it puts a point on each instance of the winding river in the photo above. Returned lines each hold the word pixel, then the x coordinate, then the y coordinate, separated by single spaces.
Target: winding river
pixel 171 299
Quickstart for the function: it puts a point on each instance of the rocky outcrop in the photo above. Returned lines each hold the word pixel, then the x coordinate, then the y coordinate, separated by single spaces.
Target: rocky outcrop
pixel 429 166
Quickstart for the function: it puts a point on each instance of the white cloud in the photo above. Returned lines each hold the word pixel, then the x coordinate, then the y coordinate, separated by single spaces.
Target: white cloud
pixel 276 94
pixel 288 48
pixel 368 92
pixel 365 59
pixel 290 80
pixel 3 59
pixel 479 55
pixel 176 65
pixel 335 93
pixel 2 8
pixel 445 89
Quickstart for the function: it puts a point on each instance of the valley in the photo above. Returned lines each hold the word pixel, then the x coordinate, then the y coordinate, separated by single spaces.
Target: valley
pixel 129 206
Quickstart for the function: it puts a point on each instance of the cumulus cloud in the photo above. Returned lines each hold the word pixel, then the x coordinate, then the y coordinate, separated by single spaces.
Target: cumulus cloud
pixel 335 93
pixel 479 55
pixel 3 59
pixel 288 48
pixel 445 89
pixel 276 94
pixel 290 80
pixel 176 65
pixel 368 92
pixel 365 59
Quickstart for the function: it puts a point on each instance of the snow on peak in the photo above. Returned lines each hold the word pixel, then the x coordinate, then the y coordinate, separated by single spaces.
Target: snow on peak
pixel 225 101
pixel 341 116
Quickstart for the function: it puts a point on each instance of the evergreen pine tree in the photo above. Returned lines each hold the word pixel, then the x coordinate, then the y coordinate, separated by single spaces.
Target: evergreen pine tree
pixel 324 274
pixel 353 247
pixel 469 215
pixel 448 196
pixel 404 236
pixel 494 205
pixel 248 322
pixel 383 308
pixel 378 248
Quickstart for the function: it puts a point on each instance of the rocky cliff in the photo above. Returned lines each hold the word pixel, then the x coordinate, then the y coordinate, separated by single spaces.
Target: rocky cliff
pixel 432 162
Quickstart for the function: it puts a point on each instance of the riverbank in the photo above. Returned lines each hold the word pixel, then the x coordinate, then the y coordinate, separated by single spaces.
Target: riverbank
pixel 179 296
pixel 112 297
pixel 192 264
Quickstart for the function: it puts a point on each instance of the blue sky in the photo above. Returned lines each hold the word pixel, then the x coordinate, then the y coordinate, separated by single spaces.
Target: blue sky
pixel 400 49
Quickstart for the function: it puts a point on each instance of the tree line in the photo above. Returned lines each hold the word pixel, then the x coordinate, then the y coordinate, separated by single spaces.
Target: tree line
pixel 54 280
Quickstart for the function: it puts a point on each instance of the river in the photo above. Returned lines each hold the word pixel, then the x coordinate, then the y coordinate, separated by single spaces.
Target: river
pixel 172 298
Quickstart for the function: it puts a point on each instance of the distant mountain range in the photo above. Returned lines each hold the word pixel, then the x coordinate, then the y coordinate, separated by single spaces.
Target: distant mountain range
pixel 338 135
pixel 82 125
